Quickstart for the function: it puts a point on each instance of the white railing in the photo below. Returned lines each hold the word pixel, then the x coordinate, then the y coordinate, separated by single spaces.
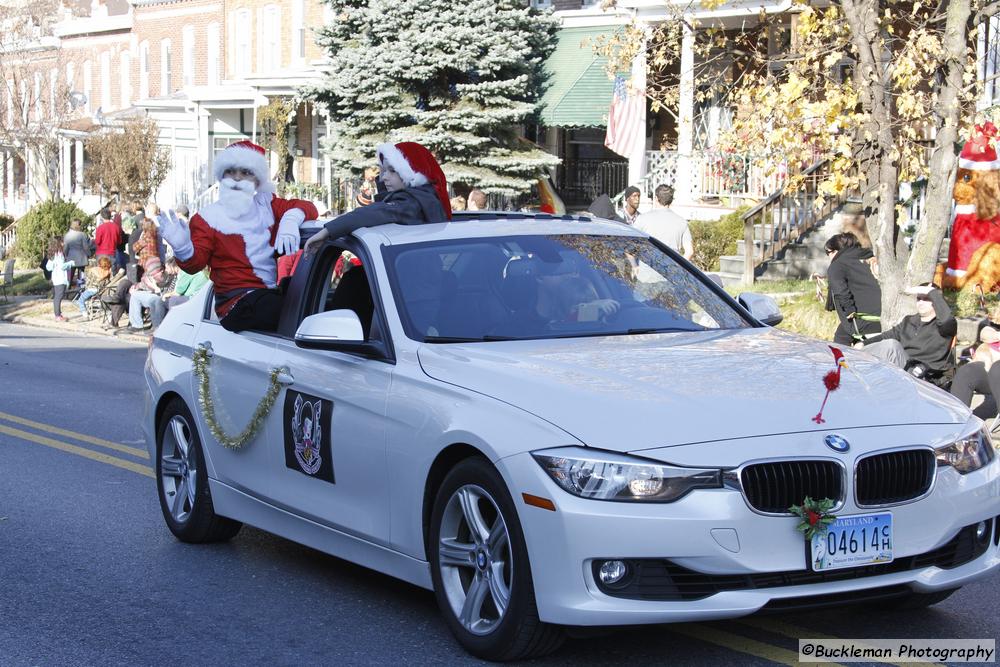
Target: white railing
pixel 717 174
pixel 205 198
pixel 8 236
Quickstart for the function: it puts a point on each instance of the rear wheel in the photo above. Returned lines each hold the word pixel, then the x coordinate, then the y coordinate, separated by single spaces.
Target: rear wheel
pixel 182 481
pixel 479 564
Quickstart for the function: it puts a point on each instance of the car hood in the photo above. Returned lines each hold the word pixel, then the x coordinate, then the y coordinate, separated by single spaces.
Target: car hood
pixel 629 393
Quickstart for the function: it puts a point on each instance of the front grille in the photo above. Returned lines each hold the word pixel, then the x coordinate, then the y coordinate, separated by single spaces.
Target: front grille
pixel 894 477
pixel 662 580
pixel 774 487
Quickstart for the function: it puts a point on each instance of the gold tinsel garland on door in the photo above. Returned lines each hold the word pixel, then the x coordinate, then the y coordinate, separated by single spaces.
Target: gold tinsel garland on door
pixel 200 359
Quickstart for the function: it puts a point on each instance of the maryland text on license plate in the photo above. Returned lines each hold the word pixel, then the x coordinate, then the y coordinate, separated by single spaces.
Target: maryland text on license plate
pixel 852 541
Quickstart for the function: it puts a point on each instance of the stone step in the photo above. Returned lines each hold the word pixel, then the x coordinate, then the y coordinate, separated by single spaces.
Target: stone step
pixel 794 269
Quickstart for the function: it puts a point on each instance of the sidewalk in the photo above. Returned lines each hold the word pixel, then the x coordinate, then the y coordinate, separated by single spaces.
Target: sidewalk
pixel 36 311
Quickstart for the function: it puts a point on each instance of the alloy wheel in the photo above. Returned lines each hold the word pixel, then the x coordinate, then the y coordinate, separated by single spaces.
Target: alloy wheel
pixel 178 469
pixel 474 558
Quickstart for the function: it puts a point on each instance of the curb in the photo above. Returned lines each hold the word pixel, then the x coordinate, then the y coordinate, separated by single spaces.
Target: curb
pixel 14 314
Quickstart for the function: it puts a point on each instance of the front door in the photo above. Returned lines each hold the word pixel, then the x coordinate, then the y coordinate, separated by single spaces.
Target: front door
pixel 328 428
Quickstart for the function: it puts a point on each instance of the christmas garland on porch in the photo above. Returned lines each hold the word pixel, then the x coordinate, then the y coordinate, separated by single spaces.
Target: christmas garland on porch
pixel 200 360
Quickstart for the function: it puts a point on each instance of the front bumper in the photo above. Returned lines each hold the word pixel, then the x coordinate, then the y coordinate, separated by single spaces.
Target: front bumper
pixel 714 532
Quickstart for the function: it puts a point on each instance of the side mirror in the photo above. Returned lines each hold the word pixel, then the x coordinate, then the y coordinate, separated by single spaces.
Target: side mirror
pixel 335 330
pixel 762 307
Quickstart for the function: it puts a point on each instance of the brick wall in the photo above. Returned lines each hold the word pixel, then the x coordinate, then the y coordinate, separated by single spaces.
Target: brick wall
pixel 170 21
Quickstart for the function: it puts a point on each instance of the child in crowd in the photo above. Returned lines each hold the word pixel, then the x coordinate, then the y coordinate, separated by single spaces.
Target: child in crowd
pixel 59 266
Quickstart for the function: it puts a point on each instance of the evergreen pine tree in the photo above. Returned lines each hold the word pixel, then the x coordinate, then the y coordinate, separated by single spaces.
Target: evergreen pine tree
pixel 460 78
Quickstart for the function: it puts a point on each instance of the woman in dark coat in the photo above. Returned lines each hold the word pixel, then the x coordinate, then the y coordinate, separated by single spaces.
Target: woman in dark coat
pixel 853 288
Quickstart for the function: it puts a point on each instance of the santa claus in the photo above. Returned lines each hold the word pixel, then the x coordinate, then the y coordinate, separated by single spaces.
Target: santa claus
pixel 237 237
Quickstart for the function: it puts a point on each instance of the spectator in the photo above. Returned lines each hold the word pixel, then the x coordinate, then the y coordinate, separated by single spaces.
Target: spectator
pixel 117 297
pixel 186 286
pixel 59 267
pixel 134 234
pixel 97 278
pixel 920 343
pixel 666 226
pixel 147 244
pixel 77 248
pixel 603 208
pixel 853 290
pixel 457 204
pixel 630 205
pixel 369 187
pixel 982 374
pixel 183 213
pixel 476 200
pixel 107 239
pixel 121 252
pixel 146 294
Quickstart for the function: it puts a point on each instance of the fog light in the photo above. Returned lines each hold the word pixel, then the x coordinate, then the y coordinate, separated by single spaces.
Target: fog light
pixel 612 571
pixel 982 531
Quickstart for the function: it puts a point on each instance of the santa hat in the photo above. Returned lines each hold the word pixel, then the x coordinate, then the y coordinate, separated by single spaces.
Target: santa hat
pixel 979 153
pixel 244 155
pixel 416 166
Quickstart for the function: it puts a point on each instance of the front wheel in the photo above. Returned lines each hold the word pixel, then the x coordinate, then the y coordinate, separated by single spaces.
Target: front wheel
pixel 479 564
pixel 182 481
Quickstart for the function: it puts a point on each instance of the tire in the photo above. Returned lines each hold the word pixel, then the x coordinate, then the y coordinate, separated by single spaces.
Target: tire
pixel 494 567
pixel 180 467
pixel 917 600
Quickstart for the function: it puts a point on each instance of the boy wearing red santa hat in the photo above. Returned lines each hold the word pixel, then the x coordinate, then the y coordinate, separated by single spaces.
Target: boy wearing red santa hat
pixel 237 237
pixel 417 194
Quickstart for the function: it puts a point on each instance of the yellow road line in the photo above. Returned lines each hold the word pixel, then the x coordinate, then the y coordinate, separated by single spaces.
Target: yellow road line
pixel 100 442
pixel 79 451
pixel 797 632
pixel 739 643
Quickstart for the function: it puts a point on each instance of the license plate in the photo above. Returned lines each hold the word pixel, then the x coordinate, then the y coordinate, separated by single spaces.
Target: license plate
pixel 852 541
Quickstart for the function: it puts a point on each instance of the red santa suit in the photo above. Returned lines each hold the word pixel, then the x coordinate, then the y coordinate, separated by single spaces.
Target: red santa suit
pixel 240 250
pixel 968 231
pixel 238 240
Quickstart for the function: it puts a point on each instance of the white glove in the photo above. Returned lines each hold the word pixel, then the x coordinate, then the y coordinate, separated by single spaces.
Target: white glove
pixel 286 242
pixel 176 234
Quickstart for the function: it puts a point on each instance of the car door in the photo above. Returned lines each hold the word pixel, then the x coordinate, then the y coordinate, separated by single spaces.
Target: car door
pixel 327 431
pixel 238 373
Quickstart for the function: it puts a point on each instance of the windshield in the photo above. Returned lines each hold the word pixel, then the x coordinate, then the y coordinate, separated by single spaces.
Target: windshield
pixel 537 286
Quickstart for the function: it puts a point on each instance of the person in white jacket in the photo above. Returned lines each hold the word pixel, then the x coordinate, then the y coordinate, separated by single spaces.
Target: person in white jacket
pixel 58 266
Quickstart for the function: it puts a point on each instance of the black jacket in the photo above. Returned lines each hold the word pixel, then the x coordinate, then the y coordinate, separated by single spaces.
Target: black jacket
pixel 853 289
pixel 927 342
pixel 410 206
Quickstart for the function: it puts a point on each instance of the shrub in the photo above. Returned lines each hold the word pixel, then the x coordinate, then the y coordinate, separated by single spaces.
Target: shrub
pixel 42 223
pixel 716 238
pixel 5 221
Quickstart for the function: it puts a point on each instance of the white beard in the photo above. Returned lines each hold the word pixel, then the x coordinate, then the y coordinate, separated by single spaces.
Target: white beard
pixel 236 196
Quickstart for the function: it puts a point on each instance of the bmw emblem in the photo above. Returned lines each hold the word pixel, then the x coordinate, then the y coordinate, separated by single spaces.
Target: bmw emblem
pixel 837 443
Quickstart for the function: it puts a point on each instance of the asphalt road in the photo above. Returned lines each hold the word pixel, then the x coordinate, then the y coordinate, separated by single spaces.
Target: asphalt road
pixel 90 575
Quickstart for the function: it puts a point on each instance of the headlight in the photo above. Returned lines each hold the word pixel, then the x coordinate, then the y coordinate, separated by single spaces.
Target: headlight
pixel 608 476
pixel 968 453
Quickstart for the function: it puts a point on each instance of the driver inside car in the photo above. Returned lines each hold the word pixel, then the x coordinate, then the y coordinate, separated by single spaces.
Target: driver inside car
pixel 568 297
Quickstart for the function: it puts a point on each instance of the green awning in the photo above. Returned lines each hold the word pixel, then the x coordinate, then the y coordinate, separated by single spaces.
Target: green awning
pixel 580 91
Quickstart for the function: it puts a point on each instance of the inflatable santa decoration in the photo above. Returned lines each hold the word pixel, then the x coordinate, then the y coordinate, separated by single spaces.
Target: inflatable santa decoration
pixel 977 222
pixel 238 236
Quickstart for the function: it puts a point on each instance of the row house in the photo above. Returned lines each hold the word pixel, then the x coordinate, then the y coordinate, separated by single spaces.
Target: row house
pixel 200 68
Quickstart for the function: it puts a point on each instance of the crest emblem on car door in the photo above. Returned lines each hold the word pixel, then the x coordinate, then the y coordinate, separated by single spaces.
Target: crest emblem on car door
pixel 307 431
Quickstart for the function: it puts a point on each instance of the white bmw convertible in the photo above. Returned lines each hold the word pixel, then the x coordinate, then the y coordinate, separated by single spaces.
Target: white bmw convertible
pixel 558 422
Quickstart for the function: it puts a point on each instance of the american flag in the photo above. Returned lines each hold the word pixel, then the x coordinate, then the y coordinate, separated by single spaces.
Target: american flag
pixel 627 117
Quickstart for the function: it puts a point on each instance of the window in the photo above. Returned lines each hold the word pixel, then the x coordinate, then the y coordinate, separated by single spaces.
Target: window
pixel 106 80
pixel 70 76
pixel 242 44
pixel 165 88
pixel 989 60
pixel 53 87
pixel 38 96
pixel 87 87
pixel 125 65
pixel 144 70
pixel 298 31
pixel 541 4
pixel 212 46
pixel 187 65
pixel 270 34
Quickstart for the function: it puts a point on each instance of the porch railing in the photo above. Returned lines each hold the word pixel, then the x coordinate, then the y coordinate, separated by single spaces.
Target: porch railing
pixel 784 216
pixel 583 180
pixel 715 174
